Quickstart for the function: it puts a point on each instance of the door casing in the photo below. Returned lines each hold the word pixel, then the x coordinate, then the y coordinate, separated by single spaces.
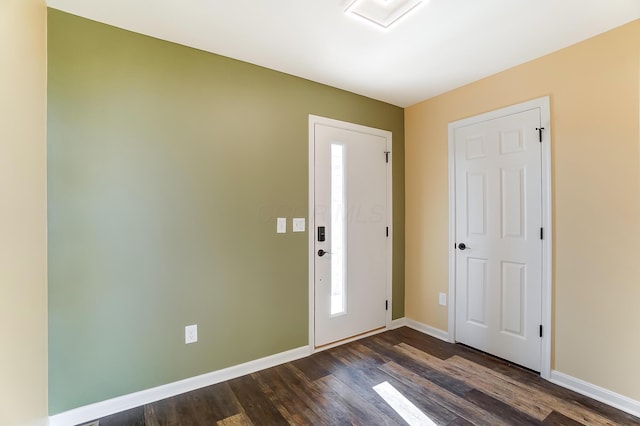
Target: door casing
pixel 313 120
pixel 546 273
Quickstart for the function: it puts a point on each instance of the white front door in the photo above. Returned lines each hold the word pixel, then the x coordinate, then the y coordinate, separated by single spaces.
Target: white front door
pixel 351 245
pixel 498 220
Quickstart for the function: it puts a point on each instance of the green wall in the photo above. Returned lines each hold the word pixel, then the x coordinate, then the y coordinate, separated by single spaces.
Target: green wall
pixel 167 167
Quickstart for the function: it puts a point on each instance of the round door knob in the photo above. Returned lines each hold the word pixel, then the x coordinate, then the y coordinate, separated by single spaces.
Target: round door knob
pixel 322 252
pixel 462 246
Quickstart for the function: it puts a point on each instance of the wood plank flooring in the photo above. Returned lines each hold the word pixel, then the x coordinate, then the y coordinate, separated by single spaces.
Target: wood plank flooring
pixel 451 384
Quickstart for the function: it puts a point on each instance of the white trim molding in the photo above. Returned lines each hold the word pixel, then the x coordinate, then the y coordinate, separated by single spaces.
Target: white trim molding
pixel 543 104
pixel 427 329
pixel 397 323
pixel 127 402
pixel 598 393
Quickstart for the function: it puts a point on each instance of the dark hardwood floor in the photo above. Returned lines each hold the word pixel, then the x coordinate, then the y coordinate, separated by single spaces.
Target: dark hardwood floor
pixel 451 384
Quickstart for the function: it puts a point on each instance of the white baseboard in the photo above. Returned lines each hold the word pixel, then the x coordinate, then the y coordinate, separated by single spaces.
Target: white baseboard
pixel 126 402
pixel 427 329
pixel 105 408
pixel 397 323
pixel 611 398
pixel 598 393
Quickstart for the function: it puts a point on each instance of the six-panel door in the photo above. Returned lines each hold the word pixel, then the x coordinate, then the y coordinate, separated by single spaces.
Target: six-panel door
pixel 499 253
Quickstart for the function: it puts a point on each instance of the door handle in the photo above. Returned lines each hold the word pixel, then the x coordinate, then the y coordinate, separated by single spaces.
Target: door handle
pixel 462 246
pixel 322 252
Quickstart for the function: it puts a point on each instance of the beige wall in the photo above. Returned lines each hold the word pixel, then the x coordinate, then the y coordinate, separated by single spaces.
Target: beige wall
pixel 23 296
pixel 594 88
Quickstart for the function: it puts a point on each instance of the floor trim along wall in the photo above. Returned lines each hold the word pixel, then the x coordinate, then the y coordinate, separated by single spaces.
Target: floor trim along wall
pixel 397 323
pixel 606 396
pixel 611 398
pixel 427 329
pixel 126 402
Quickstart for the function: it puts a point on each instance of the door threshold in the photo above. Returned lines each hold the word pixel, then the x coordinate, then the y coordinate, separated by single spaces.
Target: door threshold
pixel 350 339
pixel 496 357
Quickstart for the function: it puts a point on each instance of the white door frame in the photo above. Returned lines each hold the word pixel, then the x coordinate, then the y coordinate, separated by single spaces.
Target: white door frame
pixel 543 104
pixel 313 120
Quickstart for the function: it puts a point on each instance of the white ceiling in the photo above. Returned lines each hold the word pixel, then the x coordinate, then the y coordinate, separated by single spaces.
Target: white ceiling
pixel 444 44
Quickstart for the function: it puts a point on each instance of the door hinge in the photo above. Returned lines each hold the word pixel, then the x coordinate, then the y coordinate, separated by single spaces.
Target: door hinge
pixel 540 330
pixel 386 305
pixel 542 233
pixel 540 129
pixel 386 155
pixel 387 232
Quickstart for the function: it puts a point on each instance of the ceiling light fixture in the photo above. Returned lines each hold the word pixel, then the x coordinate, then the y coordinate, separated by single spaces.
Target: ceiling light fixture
pixel 382 13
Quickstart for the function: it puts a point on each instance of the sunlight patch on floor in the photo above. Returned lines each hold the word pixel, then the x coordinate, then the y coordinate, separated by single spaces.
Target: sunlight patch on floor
pixel 405 408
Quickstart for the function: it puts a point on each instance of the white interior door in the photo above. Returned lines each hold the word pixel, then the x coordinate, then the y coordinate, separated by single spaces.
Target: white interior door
pixel 351 243
pixel 498 220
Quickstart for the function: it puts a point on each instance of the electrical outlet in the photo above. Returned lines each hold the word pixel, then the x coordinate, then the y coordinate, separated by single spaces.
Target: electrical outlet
pixel 442 299
pixel 281 225
pixel 191 334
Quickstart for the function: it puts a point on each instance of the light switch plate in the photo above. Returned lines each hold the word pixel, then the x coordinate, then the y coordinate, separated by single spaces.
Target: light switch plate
pixel 281 225
pixel 298 224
